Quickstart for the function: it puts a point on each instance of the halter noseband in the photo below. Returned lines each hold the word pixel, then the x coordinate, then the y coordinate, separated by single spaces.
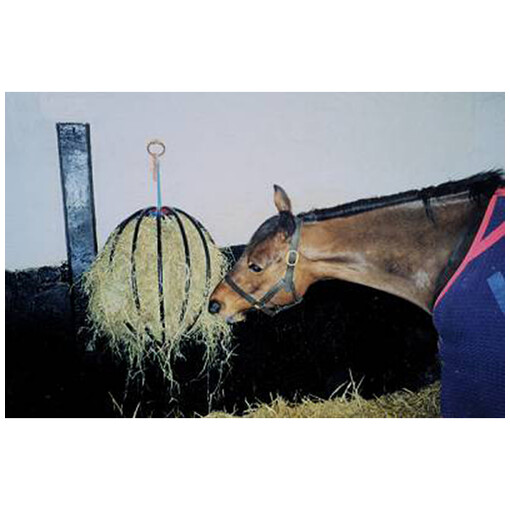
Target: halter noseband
pixel 286 283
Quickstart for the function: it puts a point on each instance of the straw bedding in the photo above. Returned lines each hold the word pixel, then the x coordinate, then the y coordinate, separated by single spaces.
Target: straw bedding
pixel 402 404
pixel 126 305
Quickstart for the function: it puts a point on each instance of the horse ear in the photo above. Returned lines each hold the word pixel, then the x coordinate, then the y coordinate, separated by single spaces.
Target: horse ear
pixel 281 200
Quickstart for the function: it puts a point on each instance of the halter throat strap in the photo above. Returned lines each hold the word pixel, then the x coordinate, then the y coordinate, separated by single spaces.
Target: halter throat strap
pixel 286 283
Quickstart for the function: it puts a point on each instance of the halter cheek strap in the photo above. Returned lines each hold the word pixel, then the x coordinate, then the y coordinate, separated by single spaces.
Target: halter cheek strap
pixel 286 283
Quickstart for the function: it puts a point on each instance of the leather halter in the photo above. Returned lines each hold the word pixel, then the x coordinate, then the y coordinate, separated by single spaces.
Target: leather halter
pixel 286 283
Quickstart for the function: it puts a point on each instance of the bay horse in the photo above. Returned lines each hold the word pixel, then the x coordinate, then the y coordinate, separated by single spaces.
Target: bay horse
pixel 412 244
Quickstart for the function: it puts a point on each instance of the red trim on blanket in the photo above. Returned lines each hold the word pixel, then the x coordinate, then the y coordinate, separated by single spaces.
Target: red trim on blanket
pixel 480 244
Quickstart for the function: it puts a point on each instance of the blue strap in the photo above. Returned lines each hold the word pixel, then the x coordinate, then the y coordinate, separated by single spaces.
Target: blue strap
pixel 497 284
pixel 159 185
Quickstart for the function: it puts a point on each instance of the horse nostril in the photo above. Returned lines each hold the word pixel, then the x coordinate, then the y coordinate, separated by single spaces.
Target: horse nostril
pixel 214 306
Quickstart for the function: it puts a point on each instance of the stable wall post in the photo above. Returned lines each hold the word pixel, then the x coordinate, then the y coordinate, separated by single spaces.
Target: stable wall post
pixel 78 196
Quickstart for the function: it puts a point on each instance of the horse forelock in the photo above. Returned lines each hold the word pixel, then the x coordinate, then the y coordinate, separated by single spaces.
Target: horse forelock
pixel 283 222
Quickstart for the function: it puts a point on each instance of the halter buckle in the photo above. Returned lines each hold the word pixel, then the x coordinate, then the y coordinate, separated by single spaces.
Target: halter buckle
pixel 294 261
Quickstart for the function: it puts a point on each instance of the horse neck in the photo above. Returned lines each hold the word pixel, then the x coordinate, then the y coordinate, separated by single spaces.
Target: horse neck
pixel 404 249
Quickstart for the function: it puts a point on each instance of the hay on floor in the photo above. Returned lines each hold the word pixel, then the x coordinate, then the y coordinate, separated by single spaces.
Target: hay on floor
pixel 402 404
pixel 125 302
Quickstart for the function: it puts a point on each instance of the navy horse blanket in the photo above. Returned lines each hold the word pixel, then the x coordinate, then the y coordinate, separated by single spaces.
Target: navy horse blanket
pixel 469 316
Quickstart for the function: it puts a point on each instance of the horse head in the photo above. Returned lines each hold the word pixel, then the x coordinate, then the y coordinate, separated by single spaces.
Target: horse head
pixel 267 276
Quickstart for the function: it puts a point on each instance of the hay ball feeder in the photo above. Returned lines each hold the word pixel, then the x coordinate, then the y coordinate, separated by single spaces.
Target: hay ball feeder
pixel 148 288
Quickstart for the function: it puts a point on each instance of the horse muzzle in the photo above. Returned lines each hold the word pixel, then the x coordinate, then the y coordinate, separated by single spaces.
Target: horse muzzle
pixel 214 306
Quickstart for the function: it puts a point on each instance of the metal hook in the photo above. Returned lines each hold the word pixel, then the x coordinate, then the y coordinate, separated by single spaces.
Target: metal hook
pixel 156 143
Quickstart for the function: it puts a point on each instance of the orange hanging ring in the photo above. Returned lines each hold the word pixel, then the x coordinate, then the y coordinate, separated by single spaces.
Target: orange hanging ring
pixel 152 148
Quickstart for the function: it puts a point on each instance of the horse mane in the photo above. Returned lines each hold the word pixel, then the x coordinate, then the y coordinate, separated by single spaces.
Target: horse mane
pixel 479 185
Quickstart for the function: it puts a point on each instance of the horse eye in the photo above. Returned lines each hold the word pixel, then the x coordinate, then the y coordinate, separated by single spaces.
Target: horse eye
pixel 255 268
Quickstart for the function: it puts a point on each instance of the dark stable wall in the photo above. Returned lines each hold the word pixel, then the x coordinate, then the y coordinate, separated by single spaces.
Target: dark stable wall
pixel 340 331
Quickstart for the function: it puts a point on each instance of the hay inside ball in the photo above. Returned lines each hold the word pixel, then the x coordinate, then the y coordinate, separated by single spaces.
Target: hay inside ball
pixel 149 287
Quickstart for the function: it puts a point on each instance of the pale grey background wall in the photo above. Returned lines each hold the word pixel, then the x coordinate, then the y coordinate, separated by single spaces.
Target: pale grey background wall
pixel 226 150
